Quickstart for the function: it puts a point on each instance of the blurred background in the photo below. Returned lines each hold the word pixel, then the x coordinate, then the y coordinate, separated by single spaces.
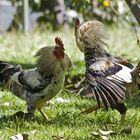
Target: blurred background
pixel 26 25
pixel 55 14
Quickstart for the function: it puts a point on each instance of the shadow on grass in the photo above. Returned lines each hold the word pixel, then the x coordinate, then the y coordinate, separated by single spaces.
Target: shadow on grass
pixel 8 120
pixel 61 119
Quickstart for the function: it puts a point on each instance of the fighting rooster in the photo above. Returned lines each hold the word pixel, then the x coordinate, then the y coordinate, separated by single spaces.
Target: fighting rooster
pixel 38 85
pixel 109 77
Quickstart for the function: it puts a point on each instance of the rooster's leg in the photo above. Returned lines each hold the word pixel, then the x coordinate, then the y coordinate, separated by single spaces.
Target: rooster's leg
pixel 122 120
pixel 43 114
pixel 91 109
pixel 122 109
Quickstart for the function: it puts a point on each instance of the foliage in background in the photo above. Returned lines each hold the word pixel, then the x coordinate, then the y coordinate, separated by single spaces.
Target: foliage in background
pixel 91 9
pixel 105 10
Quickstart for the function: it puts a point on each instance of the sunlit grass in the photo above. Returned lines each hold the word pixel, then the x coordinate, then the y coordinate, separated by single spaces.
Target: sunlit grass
pixel 64 120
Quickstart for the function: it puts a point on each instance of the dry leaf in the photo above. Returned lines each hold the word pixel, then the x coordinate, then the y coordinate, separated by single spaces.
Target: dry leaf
pixel 95 134
pixel 104 137
pixel 19 137
pixel 99 136
pixel 106 133
pixel 102 134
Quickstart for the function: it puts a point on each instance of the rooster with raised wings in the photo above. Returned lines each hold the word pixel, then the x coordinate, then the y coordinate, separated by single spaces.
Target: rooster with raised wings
pixel 38 85
pixel 109 77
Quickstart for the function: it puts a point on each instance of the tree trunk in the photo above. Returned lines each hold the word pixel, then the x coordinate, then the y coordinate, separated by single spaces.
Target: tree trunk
pixel 135 9
pixel 57 12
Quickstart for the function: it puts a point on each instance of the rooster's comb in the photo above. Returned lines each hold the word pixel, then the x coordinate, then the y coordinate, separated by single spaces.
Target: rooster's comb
pixel 59 42
pixel 77 23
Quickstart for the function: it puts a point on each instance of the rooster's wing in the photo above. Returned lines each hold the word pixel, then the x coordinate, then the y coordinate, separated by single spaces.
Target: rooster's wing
pixel 106 80
pixel 32 80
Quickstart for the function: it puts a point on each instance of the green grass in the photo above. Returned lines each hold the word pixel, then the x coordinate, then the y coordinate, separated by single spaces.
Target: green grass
pixel 64 120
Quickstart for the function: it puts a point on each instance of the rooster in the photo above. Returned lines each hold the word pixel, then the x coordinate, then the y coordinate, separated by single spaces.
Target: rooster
pixel 109 77
pixel 38 85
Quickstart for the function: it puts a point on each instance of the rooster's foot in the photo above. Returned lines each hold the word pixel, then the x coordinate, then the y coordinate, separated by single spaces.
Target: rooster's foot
pixel 43 114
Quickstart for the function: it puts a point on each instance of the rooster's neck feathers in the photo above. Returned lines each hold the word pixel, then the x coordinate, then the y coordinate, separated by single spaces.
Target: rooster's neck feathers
pixel 77 23
pixel 92 55
pixel 46 62
pixel 91 34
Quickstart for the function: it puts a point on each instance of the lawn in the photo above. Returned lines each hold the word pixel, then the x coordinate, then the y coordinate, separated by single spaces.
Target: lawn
pixel 65 120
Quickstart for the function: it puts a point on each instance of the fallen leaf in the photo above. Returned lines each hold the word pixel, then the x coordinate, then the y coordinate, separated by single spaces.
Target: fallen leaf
pixel 95 134
pixel 19 137
pixel 99 136
pixel 103 135
pixel 62 100
pixel 106 133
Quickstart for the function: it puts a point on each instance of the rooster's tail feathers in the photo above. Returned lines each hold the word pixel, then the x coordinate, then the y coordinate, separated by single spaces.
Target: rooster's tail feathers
pixel 6 70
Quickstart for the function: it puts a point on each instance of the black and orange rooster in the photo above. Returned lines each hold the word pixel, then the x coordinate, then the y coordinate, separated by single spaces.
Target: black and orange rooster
pixel 109 77
pixel 38 85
